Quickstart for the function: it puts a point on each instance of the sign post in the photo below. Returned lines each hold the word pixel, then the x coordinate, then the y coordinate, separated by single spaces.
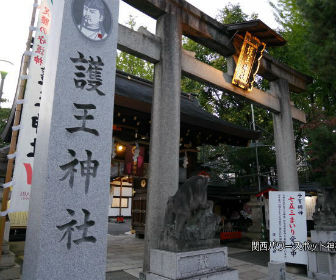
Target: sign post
pixel 288 227
pixel 68 213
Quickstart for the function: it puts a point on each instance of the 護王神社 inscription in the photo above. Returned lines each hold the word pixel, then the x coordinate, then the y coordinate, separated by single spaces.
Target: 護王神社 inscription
pixel 66 237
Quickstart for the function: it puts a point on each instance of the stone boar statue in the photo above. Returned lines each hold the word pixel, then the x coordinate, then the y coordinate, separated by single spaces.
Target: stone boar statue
pixel 189 221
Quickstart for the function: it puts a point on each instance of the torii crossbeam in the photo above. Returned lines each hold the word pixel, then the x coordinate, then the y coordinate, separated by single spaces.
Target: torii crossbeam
pixel 174 19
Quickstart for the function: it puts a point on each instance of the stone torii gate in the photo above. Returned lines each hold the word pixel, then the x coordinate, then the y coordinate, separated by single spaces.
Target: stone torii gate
pixel 53 196
pixel 174 19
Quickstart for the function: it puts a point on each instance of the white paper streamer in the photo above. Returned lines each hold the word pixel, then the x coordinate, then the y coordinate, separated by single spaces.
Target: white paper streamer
pixel 24 77
pixel 28 53
pixel 36 5
pixel 20 101
pixel 11 156
pixel 16 127
pixel 4 213
pixel 32 28
pixel 8 184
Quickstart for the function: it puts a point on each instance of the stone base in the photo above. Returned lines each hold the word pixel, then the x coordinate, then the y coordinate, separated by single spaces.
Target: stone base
pixel 322 264
pixel 7 260
pixel 200 264
pixel 321 276
pixel 9 270
pixel 227 274
pixel 276 270
pixel 10 273
pixel 185 246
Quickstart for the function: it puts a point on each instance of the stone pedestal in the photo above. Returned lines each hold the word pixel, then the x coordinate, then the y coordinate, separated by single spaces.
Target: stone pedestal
pixel 276 270
pixel 255 230
pixel 322 263
pixel 9 270
pixel 202 264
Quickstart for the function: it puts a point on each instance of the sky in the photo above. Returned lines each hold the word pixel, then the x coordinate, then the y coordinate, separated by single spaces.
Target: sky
pixel 15 17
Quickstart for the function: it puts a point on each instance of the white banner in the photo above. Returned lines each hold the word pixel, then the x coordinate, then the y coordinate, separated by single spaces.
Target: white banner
pixel 288 227
pixel 23 170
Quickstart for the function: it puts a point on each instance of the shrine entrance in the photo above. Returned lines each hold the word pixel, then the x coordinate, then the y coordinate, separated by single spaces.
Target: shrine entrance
pixel 67 218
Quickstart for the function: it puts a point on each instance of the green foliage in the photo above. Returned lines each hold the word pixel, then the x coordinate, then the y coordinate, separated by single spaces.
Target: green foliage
pixel 233 14
pixel 321 150
pixel 226 159
pixel 224 105
pixel 310 30
pixel 4 114
pixel 321 19
pixel 134 65
pixel 307 54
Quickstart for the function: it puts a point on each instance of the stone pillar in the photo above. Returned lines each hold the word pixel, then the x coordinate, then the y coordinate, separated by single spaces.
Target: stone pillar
pixel 165 129
pixel 284 139
pixel 276 270
pixel 68 211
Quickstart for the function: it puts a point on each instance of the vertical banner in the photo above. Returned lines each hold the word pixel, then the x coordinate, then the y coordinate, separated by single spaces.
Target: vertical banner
pixel 68 211
pixel 23 171
pixel 288 227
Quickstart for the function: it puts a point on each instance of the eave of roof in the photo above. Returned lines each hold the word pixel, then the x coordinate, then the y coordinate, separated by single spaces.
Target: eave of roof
pixel 139 92
pixel 258 29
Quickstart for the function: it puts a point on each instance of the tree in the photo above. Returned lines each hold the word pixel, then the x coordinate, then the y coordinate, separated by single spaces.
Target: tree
pixel 4 115
pixel 321 21
pixel 134 65
pixel 227 159
pixel 308 27
pixel 321 150
pixel 222 104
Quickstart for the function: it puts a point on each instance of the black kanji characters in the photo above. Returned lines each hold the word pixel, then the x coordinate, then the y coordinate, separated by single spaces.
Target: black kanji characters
pixel 88 169
pixel 89 78
pixel 33 144
pixel 69 229
pixel 70 167
pixel 84 227
pixel 84 118
pixel 35 121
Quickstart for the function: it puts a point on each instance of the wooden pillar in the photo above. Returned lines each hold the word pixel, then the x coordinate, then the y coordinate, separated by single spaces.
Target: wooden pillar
pixel 165 129
pixel 284 139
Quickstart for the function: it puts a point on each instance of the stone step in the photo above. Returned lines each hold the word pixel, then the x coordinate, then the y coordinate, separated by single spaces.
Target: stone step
pixel 7 260
pixel 10 273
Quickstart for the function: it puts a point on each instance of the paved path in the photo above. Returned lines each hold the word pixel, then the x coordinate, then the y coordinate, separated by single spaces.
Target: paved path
pixel 125 256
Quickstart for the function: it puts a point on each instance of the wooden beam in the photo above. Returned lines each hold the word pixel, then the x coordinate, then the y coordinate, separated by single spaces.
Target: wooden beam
pixel 147 46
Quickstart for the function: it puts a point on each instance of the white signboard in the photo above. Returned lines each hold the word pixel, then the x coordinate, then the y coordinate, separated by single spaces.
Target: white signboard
pixel 288 227
pixel 23 172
